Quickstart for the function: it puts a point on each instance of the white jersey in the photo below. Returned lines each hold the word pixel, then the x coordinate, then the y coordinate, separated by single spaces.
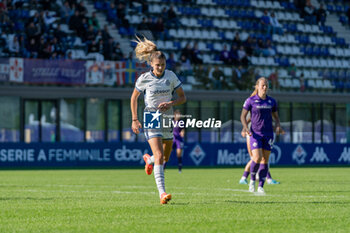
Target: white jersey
pixel 157 90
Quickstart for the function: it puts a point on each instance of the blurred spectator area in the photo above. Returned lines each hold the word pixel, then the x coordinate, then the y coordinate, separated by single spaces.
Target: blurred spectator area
pixel 238 39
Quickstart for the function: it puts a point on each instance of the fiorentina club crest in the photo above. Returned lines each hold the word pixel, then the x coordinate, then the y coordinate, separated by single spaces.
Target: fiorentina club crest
pixel 197 154
pixel 16 69
pixel 299 155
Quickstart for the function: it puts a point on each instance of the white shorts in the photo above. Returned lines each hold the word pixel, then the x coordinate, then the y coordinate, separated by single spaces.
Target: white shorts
pixel 164 133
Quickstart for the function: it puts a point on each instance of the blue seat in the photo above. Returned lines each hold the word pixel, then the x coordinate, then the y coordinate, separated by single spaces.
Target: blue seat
pixel 316 51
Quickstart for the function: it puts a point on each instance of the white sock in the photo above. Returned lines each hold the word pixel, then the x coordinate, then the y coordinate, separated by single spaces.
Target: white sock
pixel 243 178
pixel 159 177
pixel 150 160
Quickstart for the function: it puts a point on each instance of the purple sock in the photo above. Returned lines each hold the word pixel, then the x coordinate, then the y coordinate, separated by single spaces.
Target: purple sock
pixel 254 167
pixel 269 175
pixel 262 174
pixel 246 174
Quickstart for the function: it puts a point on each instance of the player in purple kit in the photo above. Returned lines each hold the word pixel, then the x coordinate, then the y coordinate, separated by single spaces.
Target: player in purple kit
pixel 178 141
pixel 262 109
pixel 246 173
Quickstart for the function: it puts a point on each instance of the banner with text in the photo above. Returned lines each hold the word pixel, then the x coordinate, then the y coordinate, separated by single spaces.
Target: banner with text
pixel 195 154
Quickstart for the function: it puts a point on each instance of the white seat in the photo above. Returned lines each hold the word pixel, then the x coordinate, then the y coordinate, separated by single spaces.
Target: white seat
pixel 218 46
pixel 214 35
pixel 189 33
pixel 338 63
pixel 254 3
pixel 289 16
pixel 319 83
pixel 315 62
pixel 308 28
pixel 327 84
pixel 277 5
pixel 258 13
pixel 345 64
pixel 307 74
pixel 205 11
pixel 308 62
pixel 323 63
pixel 212 12
pixel 283 73
pixel 296 50
pixel 173 33
pixel 321 40
pixel 282 82
pixel 340 52
pixel 197 34
pixel 207 59
pixel 271 61
pixel 300 62
pixel 205 34
pixel 296 17
pixel 296 83
pixel 332 51
pixel 217 23
pixel 311 83
pixel 181 33
pixel 291 39
pixel 288 82
pixel 254 60
pixel 225 24
pixel 327 40
pixel 233 24
pixel 331 63
pixel 202 46
pixel 315 29
pixel 262 61
pixel 280 14
pixel 160 44
pixel 300 27
pixel 243 35
pixel 229 35
pixel 194 22
pixel 280 49
pixel 269 4
pixel 313 39
pixel 169 45
pixel 276 37
pixel 227 71
pixel 289 49
pixel 221 12
pixel 314 74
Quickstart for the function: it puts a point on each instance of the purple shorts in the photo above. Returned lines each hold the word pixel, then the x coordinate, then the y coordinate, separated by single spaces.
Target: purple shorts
pixel 178 144
pixel 261 142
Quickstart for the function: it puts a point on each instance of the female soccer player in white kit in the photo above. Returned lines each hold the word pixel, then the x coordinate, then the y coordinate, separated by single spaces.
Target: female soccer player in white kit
pixel 158 86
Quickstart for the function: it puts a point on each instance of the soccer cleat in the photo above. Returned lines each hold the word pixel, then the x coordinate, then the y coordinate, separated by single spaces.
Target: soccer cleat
pixel 261 191
pixel 165 198
pixel 243 181
pixel 252 186
pixel 272 181
pixel 148 167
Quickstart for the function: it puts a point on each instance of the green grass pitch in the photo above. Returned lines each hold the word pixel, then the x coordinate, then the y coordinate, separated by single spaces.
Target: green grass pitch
pixel 204 200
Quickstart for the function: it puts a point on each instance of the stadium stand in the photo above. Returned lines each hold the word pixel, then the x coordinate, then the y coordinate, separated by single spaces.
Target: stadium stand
pixel 242 39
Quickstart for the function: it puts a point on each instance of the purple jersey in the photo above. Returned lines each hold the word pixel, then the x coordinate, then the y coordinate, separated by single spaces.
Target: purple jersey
pixel 260 111
pixel 176 131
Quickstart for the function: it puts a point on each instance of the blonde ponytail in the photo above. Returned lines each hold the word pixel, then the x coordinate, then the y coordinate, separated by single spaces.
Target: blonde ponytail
pixel 257 84
pixel 146 50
